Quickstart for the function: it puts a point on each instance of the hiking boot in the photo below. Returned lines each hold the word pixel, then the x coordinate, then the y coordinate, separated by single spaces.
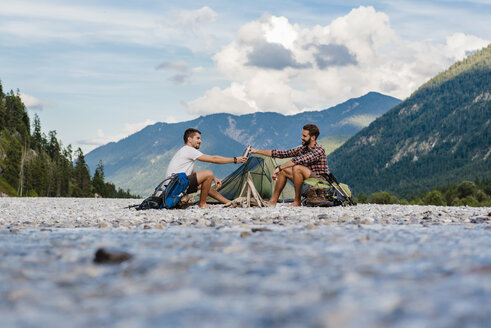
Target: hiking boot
pixel 185 202
pixel 315 196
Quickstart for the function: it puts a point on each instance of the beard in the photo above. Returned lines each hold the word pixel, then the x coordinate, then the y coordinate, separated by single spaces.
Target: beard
pixel 306 142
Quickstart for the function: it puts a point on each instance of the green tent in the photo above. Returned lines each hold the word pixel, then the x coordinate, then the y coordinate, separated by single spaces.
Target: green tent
pixel 260 168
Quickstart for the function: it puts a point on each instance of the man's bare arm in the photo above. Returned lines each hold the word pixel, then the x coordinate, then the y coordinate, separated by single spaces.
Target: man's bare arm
pixel 264 152
pixel 220 159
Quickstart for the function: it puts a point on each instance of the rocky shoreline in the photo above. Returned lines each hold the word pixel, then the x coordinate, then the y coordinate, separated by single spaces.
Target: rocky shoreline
pixel 94 262
pixel 23 213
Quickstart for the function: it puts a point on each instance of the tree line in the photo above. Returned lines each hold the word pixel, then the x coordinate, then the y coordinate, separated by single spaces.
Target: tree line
pixel 466 193
pixel 35 164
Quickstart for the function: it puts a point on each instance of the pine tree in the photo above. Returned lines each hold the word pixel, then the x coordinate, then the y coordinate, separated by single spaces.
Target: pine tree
pixel 37 140
pixel 98 180
pixel 82 185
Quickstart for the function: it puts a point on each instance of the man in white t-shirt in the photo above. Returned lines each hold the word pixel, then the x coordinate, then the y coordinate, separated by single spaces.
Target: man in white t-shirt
pixel 183 161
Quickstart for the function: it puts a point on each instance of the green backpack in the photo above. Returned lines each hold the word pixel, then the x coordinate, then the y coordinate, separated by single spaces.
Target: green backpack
pixel 326 192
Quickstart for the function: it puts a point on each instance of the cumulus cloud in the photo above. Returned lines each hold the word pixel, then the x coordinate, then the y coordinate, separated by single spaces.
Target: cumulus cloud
pixel 274 56
pixel 333 55
pixel 32 102
pixel 277 65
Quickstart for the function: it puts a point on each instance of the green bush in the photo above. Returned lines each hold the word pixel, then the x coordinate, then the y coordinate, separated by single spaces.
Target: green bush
pixel 466 188
pixel 382 197
pixel 362 198
pixel 6 188
pixel 434 198
pixel 469 201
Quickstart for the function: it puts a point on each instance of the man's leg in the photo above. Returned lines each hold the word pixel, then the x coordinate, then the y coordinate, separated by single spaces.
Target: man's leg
pixel 300 173
pixel 280 184
pixel 205 178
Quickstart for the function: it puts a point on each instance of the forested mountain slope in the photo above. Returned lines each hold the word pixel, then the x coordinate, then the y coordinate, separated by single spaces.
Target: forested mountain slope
pixel 440 134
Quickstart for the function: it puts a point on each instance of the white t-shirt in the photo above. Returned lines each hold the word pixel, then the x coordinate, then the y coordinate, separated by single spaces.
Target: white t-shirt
pixel 183 161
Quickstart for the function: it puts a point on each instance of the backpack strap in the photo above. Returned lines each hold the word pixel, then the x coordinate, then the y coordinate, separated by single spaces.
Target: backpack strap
pixel 334 182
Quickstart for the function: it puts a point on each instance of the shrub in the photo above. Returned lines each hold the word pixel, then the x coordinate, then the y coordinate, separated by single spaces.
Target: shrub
pixel 362 198
pixel 382 197
pixel 466 188
pixel 434 198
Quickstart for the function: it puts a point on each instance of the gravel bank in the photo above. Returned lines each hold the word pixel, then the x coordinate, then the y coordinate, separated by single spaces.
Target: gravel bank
pixel 363 266
pixel 23 213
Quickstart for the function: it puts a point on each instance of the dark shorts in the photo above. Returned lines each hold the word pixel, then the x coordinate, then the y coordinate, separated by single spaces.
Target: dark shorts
pixel 193 184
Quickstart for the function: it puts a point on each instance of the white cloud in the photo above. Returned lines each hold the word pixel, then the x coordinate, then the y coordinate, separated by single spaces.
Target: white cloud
pixel 460 45
pixel 32 102
pixel 275 65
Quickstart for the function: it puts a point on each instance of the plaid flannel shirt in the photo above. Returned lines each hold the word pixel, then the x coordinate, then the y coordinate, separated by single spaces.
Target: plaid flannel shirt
pixel 315 159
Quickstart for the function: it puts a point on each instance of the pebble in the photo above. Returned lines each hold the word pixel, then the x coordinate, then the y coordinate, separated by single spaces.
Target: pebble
pixel 103 256
pixel 245 234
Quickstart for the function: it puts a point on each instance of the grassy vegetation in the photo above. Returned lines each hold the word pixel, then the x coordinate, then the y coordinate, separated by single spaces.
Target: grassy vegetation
pixel 6 188
pixel 331 143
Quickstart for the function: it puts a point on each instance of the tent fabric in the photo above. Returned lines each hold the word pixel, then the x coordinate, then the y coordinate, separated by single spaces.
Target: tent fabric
pixel 260 169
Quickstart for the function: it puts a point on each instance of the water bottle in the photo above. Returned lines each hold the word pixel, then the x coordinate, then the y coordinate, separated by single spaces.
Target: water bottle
pixel 246 151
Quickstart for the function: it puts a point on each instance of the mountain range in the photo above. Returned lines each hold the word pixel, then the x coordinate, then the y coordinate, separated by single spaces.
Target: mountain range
pixel 441 134
pixel 139 161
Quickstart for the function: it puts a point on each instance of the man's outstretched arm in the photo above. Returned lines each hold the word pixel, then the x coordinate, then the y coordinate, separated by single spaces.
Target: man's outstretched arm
pixel 220 159
pixel 264 152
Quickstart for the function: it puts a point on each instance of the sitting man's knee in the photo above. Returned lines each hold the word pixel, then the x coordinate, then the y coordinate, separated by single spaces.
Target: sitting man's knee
pixel 297 168
pixel 204 175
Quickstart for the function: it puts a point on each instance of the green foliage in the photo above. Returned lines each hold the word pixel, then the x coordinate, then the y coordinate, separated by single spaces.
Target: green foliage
pixel 81 178
pixel 466 188
pixel 434 197
pixel 36 165
pixel 6 188
pixel 382 197
pixel 466 193
pixel 331 143
pixel 362 198
pixel 98 180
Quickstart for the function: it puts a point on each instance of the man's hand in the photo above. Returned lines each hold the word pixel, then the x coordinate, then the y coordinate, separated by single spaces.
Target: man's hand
pixel 275 173
pixel 253 151
pixel 218 183
pixel 241 159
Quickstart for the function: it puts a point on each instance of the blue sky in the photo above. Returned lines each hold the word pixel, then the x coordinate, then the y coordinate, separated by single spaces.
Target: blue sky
pixel 97 71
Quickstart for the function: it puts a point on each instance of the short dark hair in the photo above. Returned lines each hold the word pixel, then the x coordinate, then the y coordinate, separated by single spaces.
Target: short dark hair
pixel 190 133
pixel 313 130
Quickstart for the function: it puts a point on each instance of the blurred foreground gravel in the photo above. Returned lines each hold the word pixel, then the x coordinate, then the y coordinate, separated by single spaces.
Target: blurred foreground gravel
pixel 362 266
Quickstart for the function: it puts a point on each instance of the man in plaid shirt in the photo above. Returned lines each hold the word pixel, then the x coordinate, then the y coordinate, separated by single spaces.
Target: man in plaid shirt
pixel 308 161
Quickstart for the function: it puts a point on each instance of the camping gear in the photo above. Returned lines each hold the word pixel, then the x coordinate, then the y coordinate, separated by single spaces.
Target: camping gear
pixel 260 169
pixel 166 196
pixel 326 192
pixel 248 197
